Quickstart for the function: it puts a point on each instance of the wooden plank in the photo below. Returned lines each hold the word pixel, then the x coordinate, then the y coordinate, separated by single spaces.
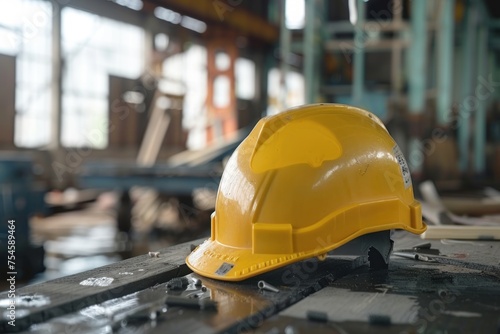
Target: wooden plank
pixel 416 296
pixel 286 324
pixel 240 306
pixel 40 302
pixel 470 300
pixel 158 123
pixel 462 232
pixel 122 116
pixel 472 206
pixel 332 300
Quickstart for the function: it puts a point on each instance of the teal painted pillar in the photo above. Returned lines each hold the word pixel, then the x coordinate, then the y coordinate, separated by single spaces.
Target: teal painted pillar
pixel 359 55
pixel 418 55
pixel 445 61
pixel 466 107
pixel 417 81
pixel 482 99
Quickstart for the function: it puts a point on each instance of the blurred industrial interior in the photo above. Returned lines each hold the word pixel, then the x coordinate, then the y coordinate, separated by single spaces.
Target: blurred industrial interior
pixel 117 117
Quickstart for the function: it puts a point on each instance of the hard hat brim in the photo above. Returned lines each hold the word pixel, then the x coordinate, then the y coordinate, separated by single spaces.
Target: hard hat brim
pixel 215 260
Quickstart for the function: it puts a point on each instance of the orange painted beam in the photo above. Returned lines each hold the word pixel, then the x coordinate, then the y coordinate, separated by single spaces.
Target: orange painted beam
pixel 228 13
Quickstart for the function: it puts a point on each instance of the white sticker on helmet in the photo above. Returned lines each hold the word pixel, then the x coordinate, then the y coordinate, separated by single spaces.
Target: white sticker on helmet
pixel 224 269
pixel 403 166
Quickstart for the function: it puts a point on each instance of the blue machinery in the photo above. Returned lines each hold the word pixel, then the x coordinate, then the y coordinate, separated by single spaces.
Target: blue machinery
pixel 168 180
pixel 20 198
pixel 179 177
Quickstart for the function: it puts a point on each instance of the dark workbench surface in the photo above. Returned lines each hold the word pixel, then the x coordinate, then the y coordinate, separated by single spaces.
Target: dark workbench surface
pixel 459 292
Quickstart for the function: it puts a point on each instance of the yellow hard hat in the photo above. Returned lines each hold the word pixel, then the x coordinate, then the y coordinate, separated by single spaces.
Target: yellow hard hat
pixel 303 183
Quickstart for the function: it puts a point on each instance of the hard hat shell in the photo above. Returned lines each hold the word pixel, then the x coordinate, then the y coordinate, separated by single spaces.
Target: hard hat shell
pixel 303 183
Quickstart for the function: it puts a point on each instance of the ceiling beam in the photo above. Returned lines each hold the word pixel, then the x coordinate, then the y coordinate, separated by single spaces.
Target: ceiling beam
pixel 227 13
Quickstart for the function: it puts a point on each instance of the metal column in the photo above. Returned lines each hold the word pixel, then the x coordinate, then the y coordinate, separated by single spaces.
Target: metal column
pixel 312 47
pixel 418 53
pixel 480 119
pixel 417 81
pixel 285 49
pixel 465 111
pixel 396 52
pixel 56 94
pixel 359 55
pixel 445 61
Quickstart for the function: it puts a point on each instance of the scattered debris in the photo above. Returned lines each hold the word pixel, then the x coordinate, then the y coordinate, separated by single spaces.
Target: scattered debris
pixel 154 254
pixel 421 257
pixel 317 316
pixel 290 330
pixel 177 283
pixel 426 245
pixel 263 285
pixel 462 314
pixel 201 304
pixel 156 286
pixel 274 330
pixel 99 281
pixel 413 256
pixel 441 277
pixel 25 300
pixel 379 320
pixel 197 282
pixel 442 293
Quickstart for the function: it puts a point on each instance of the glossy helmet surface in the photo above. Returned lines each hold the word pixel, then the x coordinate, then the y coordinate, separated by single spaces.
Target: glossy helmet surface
pixel 305 182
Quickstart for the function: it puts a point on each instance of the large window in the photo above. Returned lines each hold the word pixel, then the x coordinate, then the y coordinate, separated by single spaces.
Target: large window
pixel 94 47
pixel 244 72
pixel 295 12
pixel 190 68
pixel 25 29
